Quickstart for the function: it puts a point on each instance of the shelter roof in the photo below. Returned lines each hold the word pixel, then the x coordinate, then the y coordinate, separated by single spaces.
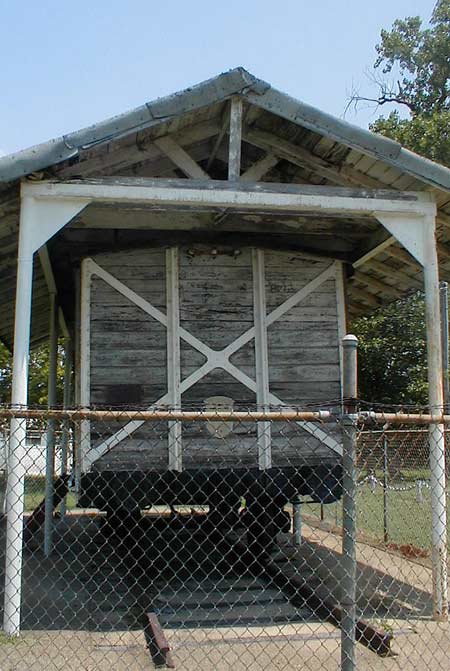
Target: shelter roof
pixel 293 141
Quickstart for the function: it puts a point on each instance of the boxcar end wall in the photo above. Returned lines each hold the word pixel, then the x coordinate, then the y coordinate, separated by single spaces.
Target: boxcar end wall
pixel 207 327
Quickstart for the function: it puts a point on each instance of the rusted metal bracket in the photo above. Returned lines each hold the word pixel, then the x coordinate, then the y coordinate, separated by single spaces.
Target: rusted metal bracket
pixel 157 643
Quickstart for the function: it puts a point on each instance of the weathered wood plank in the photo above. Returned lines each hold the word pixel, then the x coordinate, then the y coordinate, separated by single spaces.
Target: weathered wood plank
pixel 234 151
pixel 180 157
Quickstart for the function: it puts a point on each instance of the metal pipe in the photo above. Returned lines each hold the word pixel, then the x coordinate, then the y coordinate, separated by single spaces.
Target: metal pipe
pixel 16 474
pixel 297 521
pixel 51 427
pixel 436 431
pixel 66 424
pixel 443 292
pixel 348 598
pixel 181 415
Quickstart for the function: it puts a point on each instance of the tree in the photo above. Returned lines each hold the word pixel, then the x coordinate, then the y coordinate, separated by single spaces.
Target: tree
pixel 414 63
pixel 392 353
pixel 38 377
pixel 414 73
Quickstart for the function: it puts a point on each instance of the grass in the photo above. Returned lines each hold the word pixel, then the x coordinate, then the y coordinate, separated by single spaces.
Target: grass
pixel 409 521
pixel 9 640
pixel 35 492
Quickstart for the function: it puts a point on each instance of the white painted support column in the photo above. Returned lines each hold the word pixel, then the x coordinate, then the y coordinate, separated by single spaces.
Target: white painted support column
pixel 16 474
pixel 65 439
pixel 38 222
pixel 261 357
pixel 85 369
pixel 51 427
pixel 436 431
pixel 173 356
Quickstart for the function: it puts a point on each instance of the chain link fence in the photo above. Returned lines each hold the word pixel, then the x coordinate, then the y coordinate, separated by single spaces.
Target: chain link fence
pixel 137 539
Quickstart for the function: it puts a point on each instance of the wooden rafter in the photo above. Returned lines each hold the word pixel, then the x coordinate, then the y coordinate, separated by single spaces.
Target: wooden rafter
pixel 374 283
pixel 124 157
pixel 400 275
pixel 256 171
pixel 365 296
pixel 180 158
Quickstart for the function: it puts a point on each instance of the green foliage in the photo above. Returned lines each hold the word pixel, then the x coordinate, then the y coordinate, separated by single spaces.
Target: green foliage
pixel 415 66
pixel 392 353
pixel 420 57
pixel 38 378
pixel 427 135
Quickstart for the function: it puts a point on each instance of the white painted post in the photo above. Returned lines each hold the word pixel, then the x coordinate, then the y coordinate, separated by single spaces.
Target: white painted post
pixel 436 431
pixel 51 426
pixel 84 443
pixel 66 425
pixel 16 474
pixel 264 429
pixel 173 356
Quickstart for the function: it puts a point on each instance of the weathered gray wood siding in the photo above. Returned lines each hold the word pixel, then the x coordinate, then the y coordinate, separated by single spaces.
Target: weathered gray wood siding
pixel 129 358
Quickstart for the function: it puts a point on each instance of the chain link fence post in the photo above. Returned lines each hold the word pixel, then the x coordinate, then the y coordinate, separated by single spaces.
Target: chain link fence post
pixel 348 598
pixel 65 438
pixel 385 489
pixel 297 521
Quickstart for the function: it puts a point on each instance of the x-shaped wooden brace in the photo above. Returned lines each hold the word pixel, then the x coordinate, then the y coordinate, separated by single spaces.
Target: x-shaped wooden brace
pixel 214 358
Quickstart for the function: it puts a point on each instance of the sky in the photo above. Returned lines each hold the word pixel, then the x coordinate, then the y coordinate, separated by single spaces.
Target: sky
pixel 66 64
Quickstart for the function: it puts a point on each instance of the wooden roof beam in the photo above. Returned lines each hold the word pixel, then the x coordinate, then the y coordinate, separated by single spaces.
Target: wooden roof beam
pixel 293 153
pixel 225 124
pixel 180 158
pixel 341 175
pixel 374 283
pixel 235 144
pixel 260 168
pixel 400 275
pixel 365 296
pixel 124 157
pixel 404 256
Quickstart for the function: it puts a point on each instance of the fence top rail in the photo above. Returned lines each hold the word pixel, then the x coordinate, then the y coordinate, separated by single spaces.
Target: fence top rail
pixel 403 418
pixel 287 414
pixel 225 415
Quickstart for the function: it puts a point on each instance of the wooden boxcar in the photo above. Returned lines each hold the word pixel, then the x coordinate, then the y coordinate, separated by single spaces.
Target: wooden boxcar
pixel 202 251
pixel 206 326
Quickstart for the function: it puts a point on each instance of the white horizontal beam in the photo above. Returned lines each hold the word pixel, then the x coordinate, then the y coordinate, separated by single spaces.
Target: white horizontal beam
pixel 218 194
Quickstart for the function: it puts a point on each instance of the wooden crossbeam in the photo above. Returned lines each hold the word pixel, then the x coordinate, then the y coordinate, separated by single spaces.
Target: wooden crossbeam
pixel 124 157
pixel 180 158
pixel 293 153
pixel 256 171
